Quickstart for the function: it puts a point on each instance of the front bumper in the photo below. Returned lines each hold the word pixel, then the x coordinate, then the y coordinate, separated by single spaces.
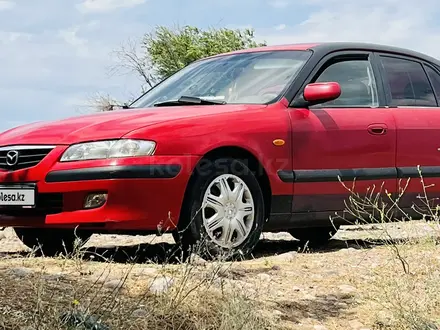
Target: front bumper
pixel 144 193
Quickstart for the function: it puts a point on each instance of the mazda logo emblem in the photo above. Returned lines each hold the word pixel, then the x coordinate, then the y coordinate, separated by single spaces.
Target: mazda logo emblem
pixel 12 158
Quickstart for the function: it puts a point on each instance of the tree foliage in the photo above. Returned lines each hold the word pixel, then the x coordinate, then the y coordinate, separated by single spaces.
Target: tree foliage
pixel 171 50
pixel 165 50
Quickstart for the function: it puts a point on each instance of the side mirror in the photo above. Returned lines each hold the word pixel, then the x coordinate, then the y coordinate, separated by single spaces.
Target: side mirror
pixel 317 93
pixel 322 92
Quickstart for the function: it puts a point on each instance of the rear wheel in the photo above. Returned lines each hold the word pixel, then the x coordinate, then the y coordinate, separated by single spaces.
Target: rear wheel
pixel 314 237
pixel 51 241
pixel 223 215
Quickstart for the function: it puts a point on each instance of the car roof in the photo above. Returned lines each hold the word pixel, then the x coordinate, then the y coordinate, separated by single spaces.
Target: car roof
pixel 270 48
pixel 335 46
pixel 329 47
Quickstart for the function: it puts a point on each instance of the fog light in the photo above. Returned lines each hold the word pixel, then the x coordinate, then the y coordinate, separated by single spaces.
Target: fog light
pixel 95 200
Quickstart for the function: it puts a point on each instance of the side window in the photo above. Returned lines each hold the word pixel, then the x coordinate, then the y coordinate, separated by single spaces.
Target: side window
pixel 358 85
pixel 408 83
pixel 435 80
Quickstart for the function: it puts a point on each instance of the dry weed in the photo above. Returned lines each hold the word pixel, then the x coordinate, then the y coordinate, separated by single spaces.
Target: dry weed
pixel 406 290
pixel 187 296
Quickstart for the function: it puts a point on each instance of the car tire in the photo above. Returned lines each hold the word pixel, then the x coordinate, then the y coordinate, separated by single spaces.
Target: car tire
pixel 50 242
pixel 314 237
pixel 223 212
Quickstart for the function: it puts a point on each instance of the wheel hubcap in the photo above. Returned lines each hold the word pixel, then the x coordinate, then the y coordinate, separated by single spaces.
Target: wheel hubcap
pixel 228 211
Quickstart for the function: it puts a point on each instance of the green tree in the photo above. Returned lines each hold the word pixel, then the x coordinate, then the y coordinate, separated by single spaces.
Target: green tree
pixel 165 50
pixel 170 50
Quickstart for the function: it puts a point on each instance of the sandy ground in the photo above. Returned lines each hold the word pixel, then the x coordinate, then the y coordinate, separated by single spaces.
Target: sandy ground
pixel 270 242
pixel 322 289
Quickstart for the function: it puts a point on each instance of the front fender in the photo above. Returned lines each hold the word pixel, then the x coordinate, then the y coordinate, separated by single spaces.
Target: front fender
pixel 253 131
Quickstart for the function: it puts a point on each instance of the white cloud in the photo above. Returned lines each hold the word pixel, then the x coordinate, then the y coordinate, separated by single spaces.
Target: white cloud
pixel 391 22
pixel 279 3
pixel 5 4
pixel 56 58
pixel 70 36
pixel 49 67
pixel 93 6
pixel 9 37
pixel 280 27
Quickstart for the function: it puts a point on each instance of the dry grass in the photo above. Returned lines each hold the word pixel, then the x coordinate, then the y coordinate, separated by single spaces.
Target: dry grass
pixel 407 288
pixel 54 294
pixel 381 276
pixel 342 287
pixel 411 300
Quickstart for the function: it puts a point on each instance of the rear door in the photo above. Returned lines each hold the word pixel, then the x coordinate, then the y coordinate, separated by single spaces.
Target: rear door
pixel 353 137
pixel 413 90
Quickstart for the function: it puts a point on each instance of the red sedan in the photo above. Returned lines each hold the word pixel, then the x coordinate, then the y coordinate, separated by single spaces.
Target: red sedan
pixel 229 147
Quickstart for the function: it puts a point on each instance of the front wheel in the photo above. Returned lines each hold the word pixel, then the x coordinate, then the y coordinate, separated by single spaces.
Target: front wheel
pixel 223 215
pixel 51 241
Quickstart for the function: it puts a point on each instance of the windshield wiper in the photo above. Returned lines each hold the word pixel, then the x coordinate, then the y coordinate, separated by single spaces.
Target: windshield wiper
pixel 188 100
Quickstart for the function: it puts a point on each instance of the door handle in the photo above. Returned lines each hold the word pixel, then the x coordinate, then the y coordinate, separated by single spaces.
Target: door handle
pixel 377 129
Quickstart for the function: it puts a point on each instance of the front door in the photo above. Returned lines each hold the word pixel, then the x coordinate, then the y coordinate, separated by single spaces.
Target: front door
pixel 413 90
pixel 353 137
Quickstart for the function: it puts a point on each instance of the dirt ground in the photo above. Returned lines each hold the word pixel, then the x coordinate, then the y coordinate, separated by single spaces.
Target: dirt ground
pixel 330 288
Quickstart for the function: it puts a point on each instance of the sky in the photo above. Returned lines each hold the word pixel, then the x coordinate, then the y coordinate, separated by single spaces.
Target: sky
pixel 55 55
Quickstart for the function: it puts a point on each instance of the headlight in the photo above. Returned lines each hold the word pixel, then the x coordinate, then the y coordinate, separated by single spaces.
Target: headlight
pixel 108 149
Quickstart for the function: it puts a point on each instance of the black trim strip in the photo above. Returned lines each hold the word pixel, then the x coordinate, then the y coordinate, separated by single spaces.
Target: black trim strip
pixel 316 210
pixel 413 172
pixel 115 172
pixel 286 176
pixel 331 175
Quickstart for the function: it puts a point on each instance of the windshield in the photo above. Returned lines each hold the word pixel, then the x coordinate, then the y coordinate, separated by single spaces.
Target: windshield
pixel 255 77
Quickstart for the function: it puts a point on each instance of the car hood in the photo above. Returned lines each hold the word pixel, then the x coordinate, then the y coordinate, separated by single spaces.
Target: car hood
pixel 107 125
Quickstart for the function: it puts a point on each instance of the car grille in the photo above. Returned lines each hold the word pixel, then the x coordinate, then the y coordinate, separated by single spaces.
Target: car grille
pixel 45 203
pixel 20 157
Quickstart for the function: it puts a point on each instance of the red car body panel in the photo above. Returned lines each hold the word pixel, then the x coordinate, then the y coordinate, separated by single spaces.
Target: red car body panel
pixel 106 125
pixel 133 204
pixel 253 129
pixel 374 145
pixel 335 138
pixel 418 143
pixel 144 204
